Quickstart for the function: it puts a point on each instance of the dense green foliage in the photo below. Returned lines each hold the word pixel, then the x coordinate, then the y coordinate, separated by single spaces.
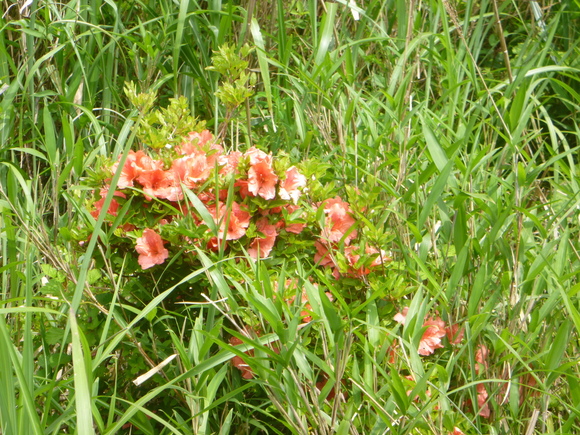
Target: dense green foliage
pixel 452 129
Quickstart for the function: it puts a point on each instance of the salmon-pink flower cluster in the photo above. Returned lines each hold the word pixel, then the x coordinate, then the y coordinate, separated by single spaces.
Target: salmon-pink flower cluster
pixel 265 204
pixel 201 165
pixel 236 218
pixel 262 246
pixel 434 332
pixel 113 206
pixel 339 222
pixel 339 227
pixel 150 249
pixel 262 179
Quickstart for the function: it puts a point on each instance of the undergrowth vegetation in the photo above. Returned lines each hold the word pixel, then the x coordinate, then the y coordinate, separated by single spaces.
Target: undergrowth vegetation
pixel 289 217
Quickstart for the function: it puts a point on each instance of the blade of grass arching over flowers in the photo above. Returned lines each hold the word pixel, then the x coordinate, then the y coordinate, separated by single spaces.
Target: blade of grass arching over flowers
pixel 83 400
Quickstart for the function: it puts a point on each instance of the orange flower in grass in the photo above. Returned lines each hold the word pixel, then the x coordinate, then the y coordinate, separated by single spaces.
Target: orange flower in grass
pixel 353 258
pixel 261 177
pixel 324 258
pixel 135 164
pixel 338 222
pixel 113 206
pixel 432 336
pixel 332 393
pixel 262 246
pixel 243 188
pixel 238 361
pixel 256 155
pixel 229 164
pixel 481 356
pixel 262 180
pixel 237 219
pixel 192 170
pixel 160 184
pixel 455 334
pixel 150 249
pixel 482 402
pixel 289 187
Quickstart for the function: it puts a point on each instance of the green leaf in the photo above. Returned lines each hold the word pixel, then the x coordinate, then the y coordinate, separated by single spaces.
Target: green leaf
pixel 83 399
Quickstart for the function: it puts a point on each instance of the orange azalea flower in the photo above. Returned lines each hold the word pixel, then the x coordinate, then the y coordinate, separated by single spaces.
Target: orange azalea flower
pixel 213 244
pixel 353 258
pixel 306 313
pixel 324 259
pixel 150 249
pixel 136 163
pixel 239 363
pixel 431 338
pixel 257 156
pixel 454 334
pixel 338 221
pixel 261 177
pixel 113 206
pixel 262 180
pixel 262 246
pixel 289 187
pixel 295 228
pixel 192 170
pixel 380 259
pixel 332 393
pixel 238 222
pixel 527 388
pixel 401 317
pixel 229 164
pixel 481 355
pixel 243 188
pixel 160 184
pixel 206 197
pixel 128 173
pixel 482 396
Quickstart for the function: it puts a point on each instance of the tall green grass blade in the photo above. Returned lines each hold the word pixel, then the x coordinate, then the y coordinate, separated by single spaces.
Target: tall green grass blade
pixel 263 63
pixel 326 32
pixel 83 398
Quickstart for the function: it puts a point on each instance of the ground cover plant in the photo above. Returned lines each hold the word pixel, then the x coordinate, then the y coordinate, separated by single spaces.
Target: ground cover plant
pixel 289 217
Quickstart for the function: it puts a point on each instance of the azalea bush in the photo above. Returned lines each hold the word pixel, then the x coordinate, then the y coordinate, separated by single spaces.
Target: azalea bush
pixel 289 217
pixel 200 197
